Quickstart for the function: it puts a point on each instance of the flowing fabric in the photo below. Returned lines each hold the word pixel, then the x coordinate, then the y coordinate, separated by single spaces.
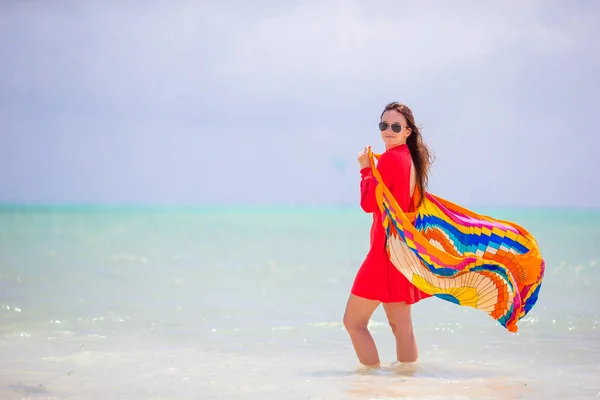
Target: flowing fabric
pixel 459 256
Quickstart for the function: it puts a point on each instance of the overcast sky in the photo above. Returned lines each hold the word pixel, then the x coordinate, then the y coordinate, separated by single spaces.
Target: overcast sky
pixel 269 102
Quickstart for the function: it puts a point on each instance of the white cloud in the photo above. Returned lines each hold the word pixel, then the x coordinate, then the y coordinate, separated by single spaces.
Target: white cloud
pixel 353 42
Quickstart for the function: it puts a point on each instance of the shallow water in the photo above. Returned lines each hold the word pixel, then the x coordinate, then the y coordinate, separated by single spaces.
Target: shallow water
pixel 191 304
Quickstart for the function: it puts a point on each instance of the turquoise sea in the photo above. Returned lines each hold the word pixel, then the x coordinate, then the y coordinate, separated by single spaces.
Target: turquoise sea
pixel 189 303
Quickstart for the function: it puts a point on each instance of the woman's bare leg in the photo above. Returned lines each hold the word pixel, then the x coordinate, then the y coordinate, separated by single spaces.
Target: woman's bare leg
pixel 400 319
pixel 356 318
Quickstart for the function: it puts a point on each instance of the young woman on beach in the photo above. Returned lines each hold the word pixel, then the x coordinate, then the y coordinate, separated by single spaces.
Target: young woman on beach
pixel 403 167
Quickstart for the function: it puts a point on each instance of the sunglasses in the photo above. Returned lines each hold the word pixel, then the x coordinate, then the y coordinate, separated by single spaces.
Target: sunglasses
pixel 395 127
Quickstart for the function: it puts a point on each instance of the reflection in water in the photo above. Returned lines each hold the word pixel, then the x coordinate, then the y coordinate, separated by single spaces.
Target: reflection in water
pixel 416 379
pixel 407 380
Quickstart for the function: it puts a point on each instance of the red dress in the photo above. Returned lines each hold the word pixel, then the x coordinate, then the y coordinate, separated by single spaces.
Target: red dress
pixel 377 278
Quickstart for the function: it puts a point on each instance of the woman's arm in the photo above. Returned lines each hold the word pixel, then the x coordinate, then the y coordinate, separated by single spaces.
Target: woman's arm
pixel 368 182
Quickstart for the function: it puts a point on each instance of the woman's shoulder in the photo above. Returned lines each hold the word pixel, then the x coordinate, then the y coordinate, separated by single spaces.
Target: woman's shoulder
pixel 395 155
pixel 394 161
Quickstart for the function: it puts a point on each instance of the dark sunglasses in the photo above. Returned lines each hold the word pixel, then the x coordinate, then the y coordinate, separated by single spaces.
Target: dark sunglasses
pixel 395 127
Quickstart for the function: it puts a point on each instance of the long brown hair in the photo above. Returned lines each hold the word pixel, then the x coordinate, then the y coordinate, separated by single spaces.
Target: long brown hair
pixel 421 156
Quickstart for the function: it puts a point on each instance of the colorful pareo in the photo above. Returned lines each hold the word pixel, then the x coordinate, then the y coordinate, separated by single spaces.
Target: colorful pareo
pixel 460 256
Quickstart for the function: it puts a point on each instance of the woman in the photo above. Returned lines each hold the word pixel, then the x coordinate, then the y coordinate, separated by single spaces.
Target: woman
pixel 403 167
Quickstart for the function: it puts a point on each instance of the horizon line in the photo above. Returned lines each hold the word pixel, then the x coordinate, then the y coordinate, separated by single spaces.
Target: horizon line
pixel 125 206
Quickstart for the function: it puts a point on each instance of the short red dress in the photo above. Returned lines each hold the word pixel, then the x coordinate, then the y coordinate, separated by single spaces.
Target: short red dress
pixel 377 278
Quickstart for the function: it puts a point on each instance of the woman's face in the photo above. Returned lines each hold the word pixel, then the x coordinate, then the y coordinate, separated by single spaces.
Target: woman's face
pixel 394 128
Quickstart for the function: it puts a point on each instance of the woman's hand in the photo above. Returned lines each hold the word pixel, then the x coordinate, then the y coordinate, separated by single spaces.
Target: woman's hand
pixel 363 158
